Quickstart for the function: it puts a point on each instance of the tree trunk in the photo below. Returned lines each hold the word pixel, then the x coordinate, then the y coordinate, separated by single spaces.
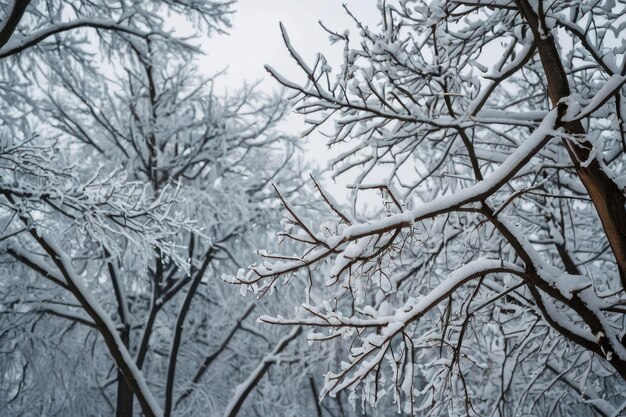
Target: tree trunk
pixel 124 405
pixel 608 199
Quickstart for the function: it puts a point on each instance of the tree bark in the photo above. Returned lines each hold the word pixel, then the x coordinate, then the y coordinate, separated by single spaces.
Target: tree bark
pixel 11 20
pixel 119 353
pixel 178 332
pixel 124 404
pixel 608 199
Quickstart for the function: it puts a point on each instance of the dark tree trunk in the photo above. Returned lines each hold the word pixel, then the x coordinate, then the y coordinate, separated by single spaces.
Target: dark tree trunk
pixel 608 199
pixel 124 405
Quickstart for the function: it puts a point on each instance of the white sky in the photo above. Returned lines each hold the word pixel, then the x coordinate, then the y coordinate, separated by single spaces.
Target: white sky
pixel 255 40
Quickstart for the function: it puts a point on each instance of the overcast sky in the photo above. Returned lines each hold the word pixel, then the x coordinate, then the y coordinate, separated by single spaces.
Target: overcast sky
pixel 255 40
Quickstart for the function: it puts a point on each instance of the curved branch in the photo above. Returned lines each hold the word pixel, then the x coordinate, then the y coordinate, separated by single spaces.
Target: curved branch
pixel 15 46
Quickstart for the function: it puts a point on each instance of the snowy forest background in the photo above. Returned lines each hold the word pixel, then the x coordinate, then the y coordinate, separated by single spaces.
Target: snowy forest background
pixel 417 207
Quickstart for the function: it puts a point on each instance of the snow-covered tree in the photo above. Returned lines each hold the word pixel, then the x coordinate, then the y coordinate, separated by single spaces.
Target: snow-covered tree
pixel 491 281
pixel 128 187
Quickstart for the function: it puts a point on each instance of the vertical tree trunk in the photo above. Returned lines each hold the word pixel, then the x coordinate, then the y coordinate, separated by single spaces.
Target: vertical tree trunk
pixel 124 405
pixel 608 199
